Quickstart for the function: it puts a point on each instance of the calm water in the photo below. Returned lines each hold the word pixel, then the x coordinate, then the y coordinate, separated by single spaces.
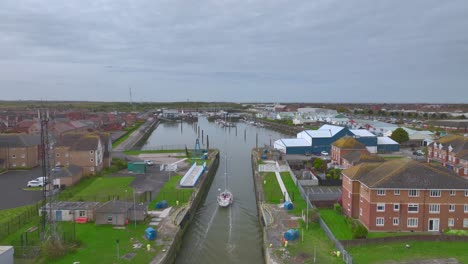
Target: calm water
pixel 228 235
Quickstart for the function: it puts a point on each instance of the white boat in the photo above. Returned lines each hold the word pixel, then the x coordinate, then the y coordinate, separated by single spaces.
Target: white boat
pixel 225 198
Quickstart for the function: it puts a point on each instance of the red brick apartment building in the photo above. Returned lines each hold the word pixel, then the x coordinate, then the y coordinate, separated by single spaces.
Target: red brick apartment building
pixel 452 152
pixel 405 195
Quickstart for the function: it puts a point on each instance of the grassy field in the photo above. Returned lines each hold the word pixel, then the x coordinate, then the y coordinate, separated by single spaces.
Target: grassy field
pixel 99 244
pixel 99 189
pixel 271 189
pixel 127 134
pixel 25 212
pixel 383 253
pixel 313 237
pixel 171 193
pixel 293 191
pixel 137 152
pixel 337 224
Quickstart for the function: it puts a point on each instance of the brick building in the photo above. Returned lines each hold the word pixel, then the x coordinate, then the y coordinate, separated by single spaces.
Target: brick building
pixel 452 152
pixel 344 146
pixel 405 195
pixel 19 151
pixel 81 149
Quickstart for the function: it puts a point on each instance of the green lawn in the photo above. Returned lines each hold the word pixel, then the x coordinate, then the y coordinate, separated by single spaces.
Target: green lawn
pixel 271 189
pixel 137 152
pixel 99 244
pixel 100 189
pixel 392 157
pixel 337 224
pixel 171 193
pixel 383 253
pixel 313 237
pixel 293 191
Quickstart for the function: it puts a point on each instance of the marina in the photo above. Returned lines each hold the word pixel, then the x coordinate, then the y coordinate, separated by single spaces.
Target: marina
pixel 232 234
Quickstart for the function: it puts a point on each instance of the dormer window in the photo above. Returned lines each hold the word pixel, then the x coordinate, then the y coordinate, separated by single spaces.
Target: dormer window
pixel 440 146
pixel 450 148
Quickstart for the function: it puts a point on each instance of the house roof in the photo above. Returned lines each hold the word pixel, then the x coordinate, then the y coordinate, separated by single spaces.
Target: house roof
pixel 19 140
pixel 64 205
pixel 406 174
pixel 357 156
pixel 459 145
pixel 115 206
pixel 79 141
pixel 348 142
pixel 319 133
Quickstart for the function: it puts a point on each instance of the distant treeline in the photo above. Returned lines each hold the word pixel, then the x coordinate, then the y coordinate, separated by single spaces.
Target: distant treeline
pixel 113 106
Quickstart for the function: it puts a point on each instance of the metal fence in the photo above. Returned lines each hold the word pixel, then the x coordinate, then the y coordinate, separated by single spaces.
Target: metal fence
pixel 347 258
pixel 13 224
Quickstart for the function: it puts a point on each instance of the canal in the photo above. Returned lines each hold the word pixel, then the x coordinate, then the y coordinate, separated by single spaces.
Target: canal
pixel 228 235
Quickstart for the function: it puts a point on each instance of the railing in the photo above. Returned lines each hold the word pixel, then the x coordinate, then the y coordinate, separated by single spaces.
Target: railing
pixel 347 258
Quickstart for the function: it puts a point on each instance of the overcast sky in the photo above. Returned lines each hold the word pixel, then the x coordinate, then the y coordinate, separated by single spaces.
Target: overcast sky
pixel 280 51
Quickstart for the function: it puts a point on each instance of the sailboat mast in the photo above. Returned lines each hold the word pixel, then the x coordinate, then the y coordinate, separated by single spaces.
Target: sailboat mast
pixel 225 176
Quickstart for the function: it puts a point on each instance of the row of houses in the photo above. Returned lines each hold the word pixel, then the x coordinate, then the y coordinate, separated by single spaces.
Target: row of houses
pixel 89 150
pixel 316 141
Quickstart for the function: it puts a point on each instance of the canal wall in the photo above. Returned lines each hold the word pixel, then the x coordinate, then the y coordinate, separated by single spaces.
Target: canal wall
pixel 199 195
pixel 285 129
pixel 147 131
pixel 259 199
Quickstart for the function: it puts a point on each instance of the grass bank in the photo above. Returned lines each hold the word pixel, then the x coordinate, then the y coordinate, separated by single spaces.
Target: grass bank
pixel 171 193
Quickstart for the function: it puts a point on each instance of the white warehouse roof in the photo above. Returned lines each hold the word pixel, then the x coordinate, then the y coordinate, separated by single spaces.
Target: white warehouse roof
pixel 294 142
pixel 362 133
pixel 386 141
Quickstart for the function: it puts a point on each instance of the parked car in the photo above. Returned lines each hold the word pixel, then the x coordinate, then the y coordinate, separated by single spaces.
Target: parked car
pixel 324 153
pixel 35 183
pixel 149 162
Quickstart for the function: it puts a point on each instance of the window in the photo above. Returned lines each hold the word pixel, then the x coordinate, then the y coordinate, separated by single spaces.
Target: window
pixel 396 221
pixel 13 156
pixel 91 169
pixel 380 207
pixel 396 207
pixel 451 222
pixel 109 219
pixel 82 213
pixel 413 193
pixel 66 155
pixel 91 151
pixel 465 208
pixel 413 208
pixel 360 199
pixel 451 208
pixel 396 192
pixel 57 154
pixel 466 193
pixel 23 156
pixel 349 195
pixel 360 211
pixel 465 223
pixel 452 192
pixel 434 208
pixel 23 164
pixel 381 192
pixel 14 165
pixel 412 222
pixel 379 221
pixel 91 160
pixel 434 193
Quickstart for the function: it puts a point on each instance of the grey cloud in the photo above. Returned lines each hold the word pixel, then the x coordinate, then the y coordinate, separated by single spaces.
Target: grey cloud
pixel 236 50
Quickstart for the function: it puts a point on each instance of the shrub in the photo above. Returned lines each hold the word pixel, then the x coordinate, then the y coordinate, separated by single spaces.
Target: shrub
pixel 337 207
pixel 359 230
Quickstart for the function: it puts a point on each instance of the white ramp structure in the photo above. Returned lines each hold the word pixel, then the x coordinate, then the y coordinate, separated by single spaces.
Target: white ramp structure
pixel 193 174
